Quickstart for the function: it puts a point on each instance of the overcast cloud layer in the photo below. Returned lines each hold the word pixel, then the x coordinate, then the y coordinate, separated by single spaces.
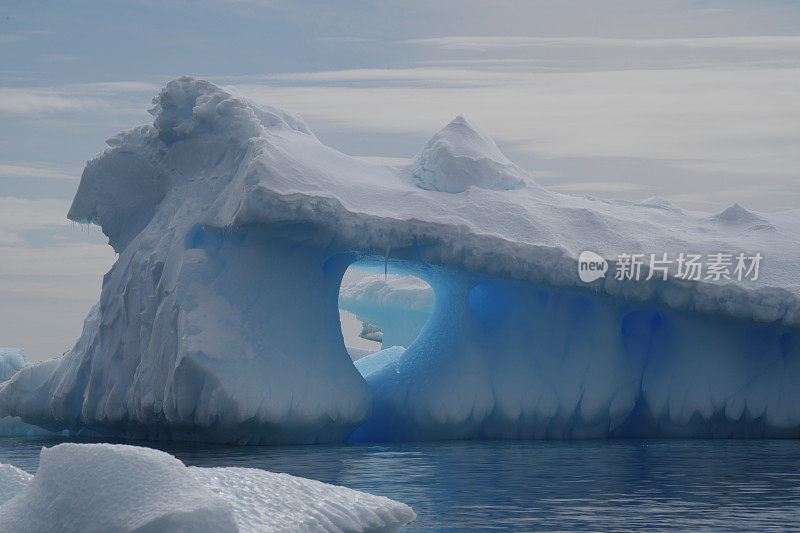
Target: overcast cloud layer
pixel 695 102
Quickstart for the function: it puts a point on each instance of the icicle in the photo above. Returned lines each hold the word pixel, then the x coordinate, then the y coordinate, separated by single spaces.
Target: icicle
pixel 386 263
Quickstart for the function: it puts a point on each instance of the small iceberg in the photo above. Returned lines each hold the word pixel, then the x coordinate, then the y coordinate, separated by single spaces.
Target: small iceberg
pixel 111 487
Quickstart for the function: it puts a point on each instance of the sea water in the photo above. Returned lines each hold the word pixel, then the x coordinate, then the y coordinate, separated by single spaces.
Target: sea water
pixel 537 485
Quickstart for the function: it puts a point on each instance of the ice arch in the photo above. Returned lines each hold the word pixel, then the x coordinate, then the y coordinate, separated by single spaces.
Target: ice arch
pixel 504 359
pixel 234 225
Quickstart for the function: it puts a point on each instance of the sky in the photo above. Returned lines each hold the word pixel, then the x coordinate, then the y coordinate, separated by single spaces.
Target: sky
pixel 693 101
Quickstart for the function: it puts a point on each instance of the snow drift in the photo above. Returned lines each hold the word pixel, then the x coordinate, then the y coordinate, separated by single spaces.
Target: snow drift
pixel 234 226
pixel 105 487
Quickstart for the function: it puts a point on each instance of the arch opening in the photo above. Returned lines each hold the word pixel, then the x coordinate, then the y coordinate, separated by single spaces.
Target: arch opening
pixel 382 305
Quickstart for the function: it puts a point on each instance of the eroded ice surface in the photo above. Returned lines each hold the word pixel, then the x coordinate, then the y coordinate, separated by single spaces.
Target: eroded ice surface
pixel 234 226
pixel 105 487
pixel 267 501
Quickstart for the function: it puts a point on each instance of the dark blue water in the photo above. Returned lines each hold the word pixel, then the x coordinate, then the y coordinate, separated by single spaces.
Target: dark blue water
pixel 531 486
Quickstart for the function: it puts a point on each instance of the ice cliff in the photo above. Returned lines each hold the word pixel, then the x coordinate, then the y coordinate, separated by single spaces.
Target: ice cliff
pixel 234 226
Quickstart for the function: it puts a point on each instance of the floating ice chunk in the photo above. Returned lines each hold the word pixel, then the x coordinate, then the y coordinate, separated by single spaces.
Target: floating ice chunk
pixel 371 332
pixel 266 501
pixel 12 360
pixel 13 426
pixel 12 481
pixel 105 487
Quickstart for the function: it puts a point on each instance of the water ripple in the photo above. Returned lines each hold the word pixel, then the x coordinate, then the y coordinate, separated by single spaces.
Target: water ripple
pixel 536 486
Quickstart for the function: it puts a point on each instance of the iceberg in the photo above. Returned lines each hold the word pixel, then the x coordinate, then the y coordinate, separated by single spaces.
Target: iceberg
pixel 107 487
pixel 371 332
pixel 104 487
pixel 234 226
pixel 12 360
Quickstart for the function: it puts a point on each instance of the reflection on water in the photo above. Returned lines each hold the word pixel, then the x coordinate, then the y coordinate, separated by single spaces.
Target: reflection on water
pixel 524 486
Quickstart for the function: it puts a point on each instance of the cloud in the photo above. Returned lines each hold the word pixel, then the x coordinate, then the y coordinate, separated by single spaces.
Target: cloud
pixel 478 43
pixel 347 40
pixel 40 101
pixel 27 264
pixel 47 292
pixel 438 77
pixel 64 58
pixel 598 186
pixel 11 38
pixel 115 87
pixel 18 215
pixel 738 120
pixel 383 160
pixel 9 237
pixel 105 97
pixel 36 171
pixel 606 53
pixel 16 37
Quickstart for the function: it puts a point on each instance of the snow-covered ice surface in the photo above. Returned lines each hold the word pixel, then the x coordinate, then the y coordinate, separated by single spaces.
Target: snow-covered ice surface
pixel 462 155
pixel 12 481
pixel 399 305
pixel 105 487
pixel 267 501
pixel 234 226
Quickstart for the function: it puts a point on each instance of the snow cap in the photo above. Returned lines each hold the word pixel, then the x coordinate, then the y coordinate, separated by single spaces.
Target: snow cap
pixel 462 155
